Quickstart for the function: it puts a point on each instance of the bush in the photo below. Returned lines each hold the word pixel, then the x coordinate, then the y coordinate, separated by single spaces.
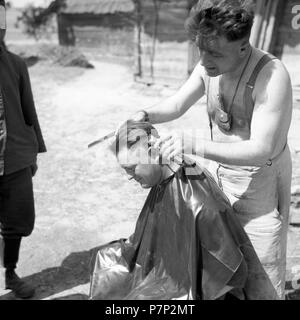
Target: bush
pixel 64 56
pixel 35 23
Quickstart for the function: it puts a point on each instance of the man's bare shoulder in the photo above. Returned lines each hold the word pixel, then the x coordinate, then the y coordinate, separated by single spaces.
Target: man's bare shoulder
pixel 273 77
pixel 199 70
pixel 274 70
pixel 198 75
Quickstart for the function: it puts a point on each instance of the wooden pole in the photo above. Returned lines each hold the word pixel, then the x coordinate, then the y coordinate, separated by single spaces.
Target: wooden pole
pixel 156 5
pixel 265 22
pixel 257 25
pixel 138 37
pixel 138 27
pixel 274 47
pixel 270 29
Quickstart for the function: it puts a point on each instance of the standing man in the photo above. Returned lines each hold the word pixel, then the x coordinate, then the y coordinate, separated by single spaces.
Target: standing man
pixel 249 106
pixel 20 141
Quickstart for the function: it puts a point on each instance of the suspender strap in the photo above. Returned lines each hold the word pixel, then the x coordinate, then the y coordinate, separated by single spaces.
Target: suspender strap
pixel 207 102
pixel 248 101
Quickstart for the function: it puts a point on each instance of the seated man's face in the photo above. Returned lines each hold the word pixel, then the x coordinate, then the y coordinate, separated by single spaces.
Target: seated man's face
pixel 139 165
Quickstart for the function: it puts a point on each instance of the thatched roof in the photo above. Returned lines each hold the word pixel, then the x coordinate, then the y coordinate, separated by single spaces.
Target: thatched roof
pixel 97 6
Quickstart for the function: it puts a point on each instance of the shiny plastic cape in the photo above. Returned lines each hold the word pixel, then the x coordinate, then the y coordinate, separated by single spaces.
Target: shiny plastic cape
pixel 187 244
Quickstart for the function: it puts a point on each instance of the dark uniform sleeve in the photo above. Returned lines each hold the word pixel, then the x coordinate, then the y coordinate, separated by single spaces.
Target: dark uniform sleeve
pixel 28 106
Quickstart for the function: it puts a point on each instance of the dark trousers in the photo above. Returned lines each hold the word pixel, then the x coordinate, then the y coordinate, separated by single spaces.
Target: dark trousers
pixel 16 213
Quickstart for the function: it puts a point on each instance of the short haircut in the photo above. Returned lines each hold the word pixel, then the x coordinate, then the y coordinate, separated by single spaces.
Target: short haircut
pixel 130 133
pixel 232 19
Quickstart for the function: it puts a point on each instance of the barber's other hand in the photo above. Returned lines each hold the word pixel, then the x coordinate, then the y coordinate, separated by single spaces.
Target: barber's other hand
pixel 140 116
pixel 174 144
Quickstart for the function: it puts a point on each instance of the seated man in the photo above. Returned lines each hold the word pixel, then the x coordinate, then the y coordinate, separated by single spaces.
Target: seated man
pixel 187 243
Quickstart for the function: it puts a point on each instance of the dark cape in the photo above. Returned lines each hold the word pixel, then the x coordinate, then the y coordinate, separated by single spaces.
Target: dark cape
pixel 187 244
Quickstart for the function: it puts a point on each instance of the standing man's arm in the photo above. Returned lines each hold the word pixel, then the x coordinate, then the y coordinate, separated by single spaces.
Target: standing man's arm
pixel 269 127
pixel 28 106
pixel 176 105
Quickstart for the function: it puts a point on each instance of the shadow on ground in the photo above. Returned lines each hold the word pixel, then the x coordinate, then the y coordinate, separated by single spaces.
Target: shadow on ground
pixel 74 271
pixel 292 294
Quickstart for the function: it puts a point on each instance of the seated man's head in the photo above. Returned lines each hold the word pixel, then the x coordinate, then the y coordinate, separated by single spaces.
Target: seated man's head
pixel 135 155
pixel 221 31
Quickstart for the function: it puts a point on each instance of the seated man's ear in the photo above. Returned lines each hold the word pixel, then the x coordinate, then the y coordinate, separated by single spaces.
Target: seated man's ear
pixel 154 155
pixel 152 140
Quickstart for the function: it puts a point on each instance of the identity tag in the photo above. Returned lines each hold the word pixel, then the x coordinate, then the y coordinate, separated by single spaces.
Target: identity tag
pixel 2 18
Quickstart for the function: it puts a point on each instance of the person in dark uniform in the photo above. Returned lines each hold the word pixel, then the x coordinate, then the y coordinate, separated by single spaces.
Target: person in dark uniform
pixel 20 142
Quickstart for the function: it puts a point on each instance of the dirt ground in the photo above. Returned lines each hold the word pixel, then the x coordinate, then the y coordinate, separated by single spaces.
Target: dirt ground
pixel 83 199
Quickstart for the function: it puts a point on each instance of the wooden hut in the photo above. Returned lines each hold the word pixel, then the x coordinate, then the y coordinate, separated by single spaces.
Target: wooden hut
pixel 110 26
pixel 164 41
pixel 105 24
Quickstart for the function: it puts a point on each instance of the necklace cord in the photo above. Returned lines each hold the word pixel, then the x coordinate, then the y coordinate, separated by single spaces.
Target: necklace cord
pixel 238 84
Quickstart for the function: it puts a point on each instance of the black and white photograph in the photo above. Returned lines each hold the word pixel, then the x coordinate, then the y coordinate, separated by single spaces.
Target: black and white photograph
pixel 149 150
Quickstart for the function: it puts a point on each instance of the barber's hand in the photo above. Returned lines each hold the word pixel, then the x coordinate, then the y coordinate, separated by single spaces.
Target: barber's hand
pixel 174 144
pixel 34 168
pixel 140 116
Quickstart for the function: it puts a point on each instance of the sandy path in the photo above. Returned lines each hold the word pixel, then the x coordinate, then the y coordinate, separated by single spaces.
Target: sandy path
pixel 83 199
